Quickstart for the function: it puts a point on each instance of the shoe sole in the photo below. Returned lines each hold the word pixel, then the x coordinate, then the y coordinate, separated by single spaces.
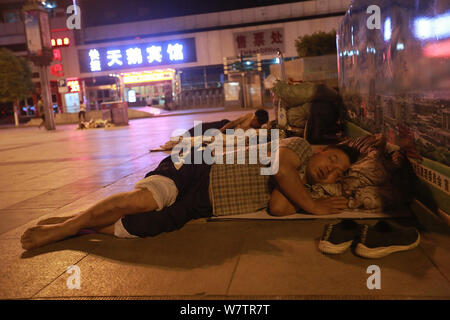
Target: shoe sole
pixel 374 253
pixel 330 248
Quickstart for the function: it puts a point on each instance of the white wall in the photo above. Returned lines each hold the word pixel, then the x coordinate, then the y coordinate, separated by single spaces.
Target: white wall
pixel 215 19
pixel 213 46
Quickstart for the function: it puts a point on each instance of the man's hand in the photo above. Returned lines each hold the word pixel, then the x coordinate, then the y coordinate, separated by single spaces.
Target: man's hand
pixel 332 205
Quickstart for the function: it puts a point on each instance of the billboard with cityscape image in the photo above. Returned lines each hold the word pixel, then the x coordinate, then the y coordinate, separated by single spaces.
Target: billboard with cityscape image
pixel 395 79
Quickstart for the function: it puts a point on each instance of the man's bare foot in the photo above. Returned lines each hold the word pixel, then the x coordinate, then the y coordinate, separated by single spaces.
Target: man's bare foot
pixel 54 220
pixel 41 235
pixel 169 145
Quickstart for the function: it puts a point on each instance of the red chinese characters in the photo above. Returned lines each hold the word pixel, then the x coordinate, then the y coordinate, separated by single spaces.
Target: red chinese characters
pixel 241 42
pixel 57 69
pixel 264 42
pixel 56 54
pixel 258 39
pixel 277 37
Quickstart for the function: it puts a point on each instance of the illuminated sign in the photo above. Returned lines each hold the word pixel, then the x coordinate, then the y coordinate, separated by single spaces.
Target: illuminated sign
pixel 74 85
pixel 57 68
pixel 149 76
pixel 139 55
pixel 60 42
pixel 94 56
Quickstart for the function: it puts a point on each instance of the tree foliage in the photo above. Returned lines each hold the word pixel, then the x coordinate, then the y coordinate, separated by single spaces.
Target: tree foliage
pixel 15 75
pixel 317 44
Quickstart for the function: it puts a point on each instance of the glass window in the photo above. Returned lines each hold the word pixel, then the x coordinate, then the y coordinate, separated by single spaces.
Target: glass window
pixel 11 16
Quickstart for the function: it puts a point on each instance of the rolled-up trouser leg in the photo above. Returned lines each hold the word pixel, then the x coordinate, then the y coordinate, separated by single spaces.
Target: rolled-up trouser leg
pixel 163 189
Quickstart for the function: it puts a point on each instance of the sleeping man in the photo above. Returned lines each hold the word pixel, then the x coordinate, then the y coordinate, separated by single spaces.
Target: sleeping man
pixel 171 195
pixel 248 121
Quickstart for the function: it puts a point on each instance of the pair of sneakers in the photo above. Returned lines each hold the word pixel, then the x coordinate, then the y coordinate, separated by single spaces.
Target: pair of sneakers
pixel 375 241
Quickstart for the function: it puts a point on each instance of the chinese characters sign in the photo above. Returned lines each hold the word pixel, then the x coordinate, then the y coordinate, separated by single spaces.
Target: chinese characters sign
pixel 433 177
pixel 139 55
pixel 150 76
pixel 259 41
pixel 57 68
pixel 74 85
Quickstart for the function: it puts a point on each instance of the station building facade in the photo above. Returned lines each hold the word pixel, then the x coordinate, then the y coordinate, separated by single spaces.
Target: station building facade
pixel 158 58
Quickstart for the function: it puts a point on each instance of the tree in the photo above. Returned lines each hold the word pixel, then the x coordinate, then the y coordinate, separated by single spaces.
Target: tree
pixel 16 83
pixel 317 44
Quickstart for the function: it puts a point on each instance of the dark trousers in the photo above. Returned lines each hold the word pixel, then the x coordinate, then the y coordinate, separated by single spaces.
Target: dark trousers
pixel 209 125
pixel 192 181
pixel 82 113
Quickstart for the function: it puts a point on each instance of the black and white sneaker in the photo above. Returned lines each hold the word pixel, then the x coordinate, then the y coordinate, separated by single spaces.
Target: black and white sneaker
pixel 385 238
pixel 338 237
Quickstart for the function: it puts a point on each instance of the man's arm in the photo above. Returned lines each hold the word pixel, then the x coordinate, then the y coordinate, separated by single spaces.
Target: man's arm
pixel 292 190
pixel 233 124
pixel 279 205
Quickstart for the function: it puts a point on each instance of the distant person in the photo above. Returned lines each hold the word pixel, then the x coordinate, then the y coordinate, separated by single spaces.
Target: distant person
pixel 40 107
pixel 249 121
pixel 168 101
pixel 82 112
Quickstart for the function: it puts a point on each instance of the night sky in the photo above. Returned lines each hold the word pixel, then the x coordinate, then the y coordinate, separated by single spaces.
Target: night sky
pixel 100 12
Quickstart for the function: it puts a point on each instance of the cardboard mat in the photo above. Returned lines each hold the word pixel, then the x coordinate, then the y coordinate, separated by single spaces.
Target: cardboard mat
pixel 348 214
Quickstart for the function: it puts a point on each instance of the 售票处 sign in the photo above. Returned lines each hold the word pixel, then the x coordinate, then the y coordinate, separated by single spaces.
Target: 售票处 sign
pixel 259 41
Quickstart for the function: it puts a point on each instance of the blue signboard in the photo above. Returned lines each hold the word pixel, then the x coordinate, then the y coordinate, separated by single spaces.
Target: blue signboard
pixel 139 55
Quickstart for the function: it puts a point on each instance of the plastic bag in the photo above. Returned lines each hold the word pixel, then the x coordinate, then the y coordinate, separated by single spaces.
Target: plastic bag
pixel 297 116
pixel 298 94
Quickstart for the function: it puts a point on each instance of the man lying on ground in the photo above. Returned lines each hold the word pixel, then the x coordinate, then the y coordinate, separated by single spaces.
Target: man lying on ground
pixel 248 121
pixel 171 195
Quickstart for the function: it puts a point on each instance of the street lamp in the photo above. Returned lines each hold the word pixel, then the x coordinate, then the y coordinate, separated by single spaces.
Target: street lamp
pixel 37 33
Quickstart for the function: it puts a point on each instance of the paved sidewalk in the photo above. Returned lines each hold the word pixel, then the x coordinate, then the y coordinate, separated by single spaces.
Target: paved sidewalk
pixel 160 112
pixel 144 113
pixel 62 172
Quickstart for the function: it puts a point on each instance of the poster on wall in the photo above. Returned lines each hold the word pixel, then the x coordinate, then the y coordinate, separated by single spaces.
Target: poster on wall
pixel 45 27
pixel 393 82
pixel 232 90
pixel 33 35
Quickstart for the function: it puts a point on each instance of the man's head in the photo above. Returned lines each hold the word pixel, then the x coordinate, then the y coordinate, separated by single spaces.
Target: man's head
pixel 261 117
pixel 330 164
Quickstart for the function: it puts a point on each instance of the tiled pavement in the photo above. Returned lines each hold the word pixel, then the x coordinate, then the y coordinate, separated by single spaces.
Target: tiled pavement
pixel 46 173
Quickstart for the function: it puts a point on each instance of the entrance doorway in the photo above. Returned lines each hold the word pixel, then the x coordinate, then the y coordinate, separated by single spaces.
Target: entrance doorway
pixel 72 102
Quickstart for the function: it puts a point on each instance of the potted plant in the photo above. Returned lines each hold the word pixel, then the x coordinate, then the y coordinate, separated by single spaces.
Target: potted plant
pixel 317 60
